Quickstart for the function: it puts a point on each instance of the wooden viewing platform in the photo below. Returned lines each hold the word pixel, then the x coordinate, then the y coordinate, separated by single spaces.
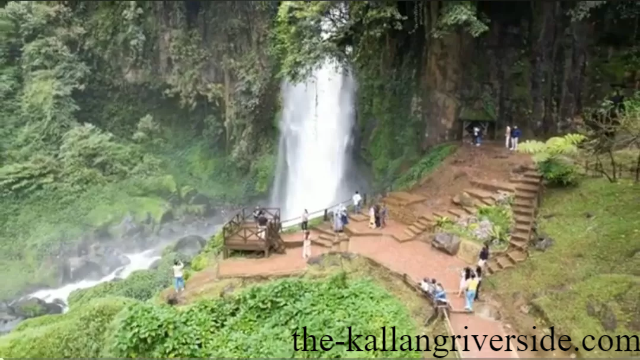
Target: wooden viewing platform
pixel 243 233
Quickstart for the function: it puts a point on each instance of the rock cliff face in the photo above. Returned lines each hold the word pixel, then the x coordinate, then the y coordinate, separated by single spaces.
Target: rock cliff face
pixel 537 67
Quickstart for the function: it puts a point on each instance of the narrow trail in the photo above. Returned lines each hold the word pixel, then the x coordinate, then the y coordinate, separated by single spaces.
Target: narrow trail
pixel 415 256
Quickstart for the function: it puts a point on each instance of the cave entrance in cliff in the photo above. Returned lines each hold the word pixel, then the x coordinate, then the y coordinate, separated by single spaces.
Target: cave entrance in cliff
pixel 471 117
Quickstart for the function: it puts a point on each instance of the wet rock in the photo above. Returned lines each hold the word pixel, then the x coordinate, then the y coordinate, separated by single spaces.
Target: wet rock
pixel 190 245
pixel 608 318
pixel 155 265
pixel 128 227
pixel 446 242
pixel 99 262
pixel 79 268
pixel 542 242
pixel 34 307
pixel 588 215
pixel 205 202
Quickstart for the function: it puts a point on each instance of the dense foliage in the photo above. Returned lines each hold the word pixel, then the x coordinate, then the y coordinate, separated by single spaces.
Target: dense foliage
pixel 257 322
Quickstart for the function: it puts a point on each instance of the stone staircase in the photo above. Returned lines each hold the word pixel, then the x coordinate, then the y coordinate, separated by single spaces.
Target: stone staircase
pixel 398 203
pixel 420 225
pixel 327 238
pixel 527 190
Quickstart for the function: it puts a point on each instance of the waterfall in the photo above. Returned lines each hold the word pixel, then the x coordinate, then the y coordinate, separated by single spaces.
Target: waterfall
pixel 315 141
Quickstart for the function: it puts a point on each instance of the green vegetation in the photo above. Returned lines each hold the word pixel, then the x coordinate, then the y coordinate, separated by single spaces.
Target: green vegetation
pixel 587 282
pixel 257 321
pixel 556 158
pixel 428 164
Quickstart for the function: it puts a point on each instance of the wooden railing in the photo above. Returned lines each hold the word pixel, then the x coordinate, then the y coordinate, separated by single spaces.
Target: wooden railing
pixel 235 226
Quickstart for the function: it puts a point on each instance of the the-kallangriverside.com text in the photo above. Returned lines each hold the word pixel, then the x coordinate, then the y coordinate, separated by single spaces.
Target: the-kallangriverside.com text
pixel 441 345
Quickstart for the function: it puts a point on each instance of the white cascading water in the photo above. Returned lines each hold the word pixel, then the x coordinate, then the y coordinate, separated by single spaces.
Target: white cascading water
pixel 315 137
pixel 139 261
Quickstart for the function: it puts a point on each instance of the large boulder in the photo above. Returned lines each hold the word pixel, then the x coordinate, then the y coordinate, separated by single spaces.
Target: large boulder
pixel 99 262
pixel 204 201
pixel 446 242
pixel 463 199
pixel 34 307
pixel 190 245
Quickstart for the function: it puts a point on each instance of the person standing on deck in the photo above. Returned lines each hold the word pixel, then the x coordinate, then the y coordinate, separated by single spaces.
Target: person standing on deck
pixel 178 279
pixel 515 137
pixel 357 200
pixel 305 220
pixel 306 246
pixel 507 137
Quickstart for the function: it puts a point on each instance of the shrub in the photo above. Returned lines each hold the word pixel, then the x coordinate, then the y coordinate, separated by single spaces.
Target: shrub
pixel 554 158
pixel 559 172
pixel 259 322
pixel 78 334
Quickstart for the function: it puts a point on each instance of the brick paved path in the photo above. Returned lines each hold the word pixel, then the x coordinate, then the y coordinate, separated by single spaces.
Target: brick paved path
pixel 414 258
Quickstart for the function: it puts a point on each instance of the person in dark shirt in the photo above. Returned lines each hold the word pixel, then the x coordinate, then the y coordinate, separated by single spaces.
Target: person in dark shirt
pixel 484 255
pixel 515 137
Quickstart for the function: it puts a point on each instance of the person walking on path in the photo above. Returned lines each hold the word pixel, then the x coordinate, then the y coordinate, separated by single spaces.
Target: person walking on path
pixel 507 137
pixel 372 217
pixel 465 275
pixel 472 287
pixel 306 246
pixel 377 215
pixel 344 215
pixel 337 221
pixel 383 215
pixel 484 255
pixel 479 277
pixel 357 200
pixel 178 278
pixel 515 137
pixel 305 220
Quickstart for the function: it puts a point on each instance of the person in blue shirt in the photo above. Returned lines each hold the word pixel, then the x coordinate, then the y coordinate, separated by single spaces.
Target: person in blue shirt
pixel 440 295
pixel 515 137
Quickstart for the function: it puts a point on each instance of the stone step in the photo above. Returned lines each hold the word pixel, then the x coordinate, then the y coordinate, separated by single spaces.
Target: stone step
pixel 519 243
pixel 524 202
pixel 493 266
pixel 424 223
pixel 479 194
pixel 521 235
pixel 439 214
pixel 504 262
pixel 524 220
pixel 326 237
pixel 517 255
pixel 325 228
pixel 529 181
pixel 415 229
pixel 358 217
pixel 470 210
pixel 405 197
pixel 532 175
pixel 492 185
pixel 522 227
pixel 410 232
pixel 520 210
pixel 322 242
pixel 526 195
pixel 393 202
pixel 527 188
pixel 457 212
pixel 420 226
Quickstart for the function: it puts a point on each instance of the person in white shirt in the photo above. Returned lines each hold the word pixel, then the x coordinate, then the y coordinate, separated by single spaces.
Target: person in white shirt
pixel 306 246
pixel 357 199
pixel 178 278
pixel 425 285
pixel 305 220
pixel 507 137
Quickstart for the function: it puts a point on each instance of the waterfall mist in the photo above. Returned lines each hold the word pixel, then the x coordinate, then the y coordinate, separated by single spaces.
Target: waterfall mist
pixel 315 142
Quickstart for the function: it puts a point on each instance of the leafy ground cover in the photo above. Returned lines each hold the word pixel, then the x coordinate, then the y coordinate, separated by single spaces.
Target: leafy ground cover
pixel 257 320
pixel 424 166
pixel 587 282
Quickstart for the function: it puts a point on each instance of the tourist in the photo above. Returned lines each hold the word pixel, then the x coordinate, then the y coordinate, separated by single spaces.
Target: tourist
pixel 472 286
pixel 377 215
pixel 262 226
pixel 440 296
pixel 178 278
pixel 305 220
pixel 515 137
pixel 344 215
pixel 306 246
pixel 357 200
pixel 383 215
pixel 507 137
pixel 476 135
pixel 372 217
pixel 256 214
pixel 484 255
pixel 479 275
pixel 337 221
pixel 425 285
pixel 465 275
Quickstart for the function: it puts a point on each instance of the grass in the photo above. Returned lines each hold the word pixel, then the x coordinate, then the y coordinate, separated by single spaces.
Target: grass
pixel 424 166
pixel 592 269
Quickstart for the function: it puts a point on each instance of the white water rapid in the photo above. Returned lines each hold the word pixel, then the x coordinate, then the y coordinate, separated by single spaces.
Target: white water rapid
pixel 315 139
pixel 139 261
